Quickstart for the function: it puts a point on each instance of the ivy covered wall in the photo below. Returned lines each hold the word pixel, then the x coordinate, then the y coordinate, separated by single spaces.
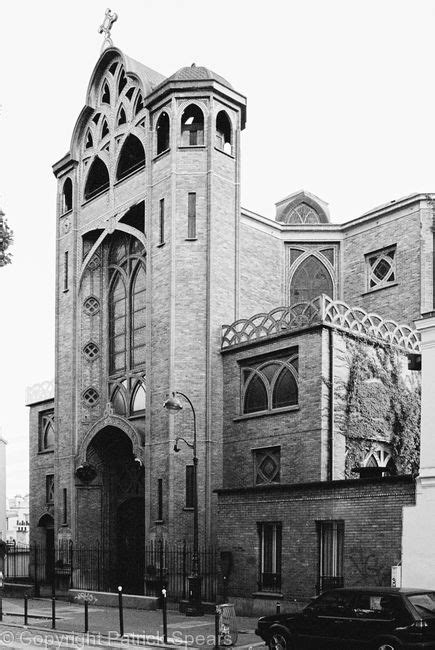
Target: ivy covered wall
pixel 376 400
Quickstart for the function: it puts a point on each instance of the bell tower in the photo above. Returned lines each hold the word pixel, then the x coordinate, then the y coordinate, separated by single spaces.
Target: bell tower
pixel 193 214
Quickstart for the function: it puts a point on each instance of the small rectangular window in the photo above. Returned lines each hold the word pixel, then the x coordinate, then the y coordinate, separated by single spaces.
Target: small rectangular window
pixel 160 499
pixel 190 487
pixel 162 222
pixel 191 216
pixel 270 538
pixel 267 463
pixel 65 506
pixel 65 271
pixel 49 488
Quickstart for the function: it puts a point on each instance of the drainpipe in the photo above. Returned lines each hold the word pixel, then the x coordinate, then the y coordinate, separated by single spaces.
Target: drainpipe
pixel 330 471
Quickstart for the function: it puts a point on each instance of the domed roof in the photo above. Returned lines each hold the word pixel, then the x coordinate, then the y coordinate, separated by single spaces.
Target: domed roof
pixel 197 73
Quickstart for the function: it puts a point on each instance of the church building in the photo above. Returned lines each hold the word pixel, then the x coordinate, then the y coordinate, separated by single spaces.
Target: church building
pixel 293 339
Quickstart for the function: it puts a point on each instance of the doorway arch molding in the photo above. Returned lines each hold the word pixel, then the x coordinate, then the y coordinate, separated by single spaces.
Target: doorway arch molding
pixel 117 422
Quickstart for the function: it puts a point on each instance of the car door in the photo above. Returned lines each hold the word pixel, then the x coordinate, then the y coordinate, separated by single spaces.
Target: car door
pixel 324 622
pixel 373 615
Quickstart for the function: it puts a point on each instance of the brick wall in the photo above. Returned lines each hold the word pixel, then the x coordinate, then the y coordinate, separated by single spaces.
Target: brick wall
pixel 370 509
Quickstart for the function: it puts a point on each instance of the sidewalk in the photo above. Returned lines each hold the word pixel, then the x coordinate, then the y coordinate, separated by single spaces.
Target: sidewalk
pixel 141 627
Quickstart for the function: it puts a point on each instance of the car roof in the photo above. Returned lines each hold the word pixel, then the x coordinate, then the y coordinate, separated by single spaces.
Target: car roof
pixel 383 590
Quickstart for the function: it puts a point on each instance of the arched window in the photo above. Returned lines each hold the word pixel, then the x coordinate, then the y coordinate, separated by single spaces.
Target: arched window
pixel 131 158
pixel 97 180
pixel 139 104
pixel 104 129
pixel 46 431
pixel 270 385
pixel 223 132
pixel 162 129
pixel 122 81
pixel 380 456
pixel 310 279
pixel 105 95
pixel 118 401
pixel 117 323
pixel 121 117
pixel 138 401
pixel 89 143
pixel 67 195
pixel 127 306
pixel 192 126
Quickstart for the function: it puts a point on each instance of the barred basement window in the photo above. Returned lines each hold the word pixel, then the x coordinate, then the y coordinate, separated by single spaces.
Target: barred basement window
pixel 91 351
pixel 270 538
pixel 270 385
pixel 49 488
pixel 46 431
pixel 91 396
pixel 267 465
pixel 91 306
pixel 381 268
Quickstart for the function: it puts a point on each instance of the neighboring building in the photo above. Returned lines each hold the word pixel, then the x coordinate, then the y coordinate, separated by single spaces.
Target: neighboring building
pixel 6 239
pixel 155 260
pixel 3 444
pixel 17 517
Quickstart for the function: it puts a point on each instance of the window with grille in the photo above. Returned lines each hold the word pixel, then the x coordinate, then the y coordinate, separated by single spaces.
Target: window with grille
pixel 91 306
pixel 267 465
pixel 46 431
pixel 270 385
pixel 91 396
pixel 381 268
pixel 91 351
pixel 331 550
pixel 49 488
pixel 270 543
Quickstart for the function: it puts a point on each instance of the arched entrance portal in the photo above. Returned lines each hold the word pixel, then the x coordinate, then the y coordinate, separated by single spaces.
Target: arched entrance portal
pixel 112 512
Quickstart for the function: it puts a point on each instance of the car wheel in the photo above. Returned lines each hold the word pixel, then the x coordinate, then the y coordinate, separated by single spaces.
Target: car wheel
pixel 280 640
pixel 386 645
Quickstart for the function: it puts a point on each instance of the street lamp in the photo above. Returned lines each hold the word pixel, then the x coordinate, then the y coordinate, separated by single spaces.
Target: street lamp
pixel 194 608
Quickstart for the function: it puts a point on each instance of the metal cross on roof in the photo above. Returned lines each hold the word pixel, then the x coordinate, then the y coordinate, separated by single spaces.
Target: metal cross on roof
pixel 106 27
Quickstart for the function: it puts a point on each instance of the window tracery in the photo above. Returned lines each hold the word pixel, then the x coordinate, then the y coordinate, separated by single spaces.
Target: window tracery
pixel 270 385
pixel 267 463
pixel 303 213
pixel 380 456
pixel 381 268
pixel 310 279
pixel 46 430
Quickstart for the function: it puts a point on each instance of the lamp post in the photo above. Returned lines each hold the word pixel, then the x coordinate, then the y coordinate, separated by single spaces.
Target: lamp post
pixel 194 608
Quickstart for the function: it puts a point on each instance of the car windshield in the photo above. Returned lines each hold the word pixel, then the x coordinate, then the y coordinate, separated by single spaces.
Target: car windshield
pixel 424 604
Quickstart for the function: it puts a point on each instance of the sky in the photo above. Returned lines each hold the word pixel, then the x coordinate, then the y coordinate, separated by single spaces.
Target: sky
pixel 340 103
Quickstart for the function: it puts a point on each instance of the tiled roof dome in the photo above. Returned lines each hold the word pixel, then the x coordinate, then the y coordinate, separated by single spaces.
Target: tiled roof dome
pixel 197 73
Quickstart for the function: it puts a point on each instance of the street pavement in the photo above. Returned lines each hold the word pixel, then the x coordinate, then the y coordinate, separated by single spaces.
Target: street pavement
pixel 140 627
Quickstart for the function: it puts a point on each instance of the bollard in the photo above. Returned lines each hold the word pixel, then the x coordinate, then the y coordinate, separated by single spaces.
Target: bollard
pixel 216 627
pixel 121 615
pixel 1 595
pixel 86 616
pixel 26 609
pixel 165 617
pixel 53 613
pixel 278 608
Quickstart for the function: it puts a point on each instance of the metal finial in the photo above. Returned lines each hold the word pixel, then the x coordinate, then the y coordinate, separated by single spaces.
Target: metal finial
pixel 106 27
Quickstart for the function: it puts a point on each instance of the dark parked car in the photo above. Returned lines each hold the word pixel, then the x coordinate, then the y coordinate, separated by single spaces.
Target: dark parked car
pixel 377 618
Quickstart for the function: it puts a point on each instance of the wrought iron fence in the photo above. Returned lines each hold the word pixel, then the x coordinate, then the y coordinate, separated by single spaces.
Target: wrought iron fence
pixel 69 566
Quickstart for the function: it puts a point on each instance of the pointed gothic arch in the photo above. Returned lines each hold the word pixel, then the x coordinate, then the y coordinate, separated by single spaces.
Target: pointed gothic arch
pixel 310 279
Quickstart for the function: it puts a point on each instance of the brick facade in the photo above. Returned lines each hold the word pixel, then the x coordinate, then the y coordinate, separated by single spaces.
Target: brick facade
pixel 237 264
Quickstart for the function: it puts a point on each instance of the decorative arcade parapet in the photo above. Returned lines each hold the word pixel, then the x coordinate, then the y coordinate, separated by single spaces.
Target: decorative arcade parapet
pixel 321 311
